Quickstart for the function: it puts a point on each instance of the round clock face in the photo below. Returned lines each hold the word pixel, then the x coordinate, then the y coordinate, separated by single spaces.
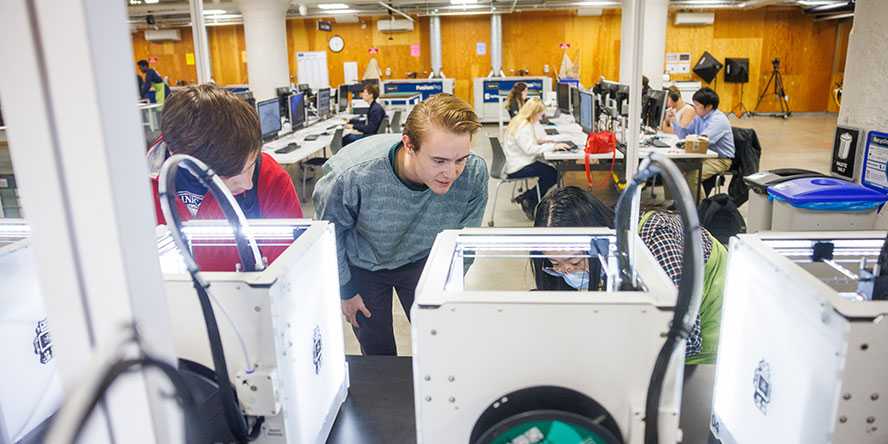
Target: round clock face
pixel 336 43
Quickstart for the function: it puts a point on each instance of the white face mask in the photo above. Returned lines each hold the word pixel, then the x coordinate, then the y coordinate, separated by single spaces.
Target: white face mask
pixel 577 279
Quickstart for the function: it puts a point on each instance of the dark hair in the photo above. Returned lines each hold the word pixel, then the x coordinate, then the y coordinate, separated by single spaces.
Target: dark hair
pixel 515 94
pixel 706 96
pixel 569 207
pixel 212 125
pixel 674 93
pixel 372 89
pixel 142 63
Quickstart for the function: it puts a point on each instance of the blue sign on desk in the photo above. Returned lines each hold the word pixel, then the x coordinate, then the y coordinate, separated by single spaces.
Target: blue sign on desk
pixel 493 87
pixel 426 89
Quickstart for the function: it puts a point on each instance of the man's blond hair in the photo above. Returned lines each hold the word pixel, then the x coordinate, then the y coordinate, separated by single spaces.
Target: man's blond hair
pixel 444 111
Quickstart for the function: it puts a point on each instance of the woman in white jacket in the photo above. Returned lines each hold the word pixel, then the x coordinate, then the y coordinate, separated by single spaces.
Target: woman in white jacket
pixel 523 149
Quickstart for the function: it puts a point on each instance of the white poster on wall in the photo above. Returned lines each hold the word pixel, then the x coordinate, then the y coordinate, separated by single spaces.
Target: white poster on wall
pixel 678 62
pixel 351 72
pixel 311 68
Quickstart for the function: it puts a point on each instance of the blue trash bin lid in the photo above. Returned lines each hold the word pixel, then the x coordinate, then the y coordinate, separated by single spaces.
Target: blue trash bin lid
pixel 813 190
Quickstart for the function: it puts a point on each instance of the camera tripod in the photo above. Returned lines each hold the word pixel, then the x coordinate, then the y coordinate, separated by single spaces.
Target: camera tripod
pixel 739 109
pixel 777 79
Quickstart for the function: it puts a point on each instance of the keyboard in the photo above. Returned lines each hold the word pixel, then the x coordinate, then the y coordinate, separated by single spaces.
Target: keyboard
pixel 551 132
pixel 659 143
pixel 287 149
pixel 571 146
pixel 311 137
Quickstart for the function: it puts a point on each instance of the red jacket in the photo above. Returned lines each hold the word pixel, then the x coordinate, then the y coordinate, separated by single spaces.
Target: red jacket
pixel 277 200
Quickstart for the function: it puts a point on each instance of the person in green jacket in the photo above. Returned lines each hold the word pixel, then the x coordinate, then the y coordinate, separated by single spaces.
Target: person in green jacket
pixel 661 232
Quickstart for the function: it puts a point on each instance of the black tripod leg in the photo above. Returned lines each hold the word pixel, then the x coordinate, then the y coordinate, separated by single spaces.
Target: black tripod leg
pixel 764 92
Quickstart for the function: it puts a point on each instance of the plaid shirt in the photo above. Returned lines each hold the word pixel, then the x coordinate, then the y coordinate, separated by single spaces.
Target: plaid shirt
pixel 663 234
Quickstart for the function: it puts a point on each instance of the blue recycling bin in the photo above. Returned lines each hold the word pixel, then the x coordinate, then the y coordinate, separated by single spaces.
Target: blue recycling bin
pixel 824 204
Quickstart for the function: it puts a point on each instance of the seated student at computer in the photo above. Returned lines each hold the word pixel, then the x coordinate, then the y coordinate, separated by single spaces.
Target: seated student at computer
pixel 661 232
pixel 369 124
pixel 523 149
pixel 679 114
pixel 221 130
pixel 710 122
pixel 516 98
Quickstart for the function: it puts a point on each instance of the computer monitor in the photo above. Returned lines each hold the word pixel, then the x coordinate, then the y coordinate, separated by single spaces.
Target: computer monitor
pixel 297 110
pixel 323 102
pixel 283 94
pixel 653 108
pixel 622 98
pixel 586 111
pixel 575 103
pixel 269 118
pixel 563 97
pixel 342 98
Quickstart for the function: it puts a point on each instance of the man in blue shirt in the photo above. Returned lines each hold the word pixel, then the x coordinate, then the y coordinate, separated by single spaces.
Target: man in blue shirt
pixel 712 123
pixel 153 83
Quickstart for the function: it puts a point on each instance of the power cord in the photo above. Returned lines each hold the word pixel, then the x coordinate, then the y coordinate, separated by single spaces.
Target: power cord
pixel 689 287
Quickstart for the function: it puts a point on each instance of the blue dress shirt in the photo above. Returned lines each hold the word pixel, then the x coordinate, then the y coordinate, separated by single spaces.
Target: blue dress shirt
pixel 714 125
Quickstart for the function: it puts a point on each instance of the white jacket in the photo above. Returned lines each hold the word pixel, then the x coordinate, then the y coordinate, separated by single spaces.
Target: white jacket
pixel 522 149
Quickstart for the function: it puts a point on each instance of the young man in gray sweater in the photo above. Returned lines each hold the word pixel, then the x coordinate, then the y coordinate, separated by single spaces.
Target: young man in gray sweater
pixel 389 196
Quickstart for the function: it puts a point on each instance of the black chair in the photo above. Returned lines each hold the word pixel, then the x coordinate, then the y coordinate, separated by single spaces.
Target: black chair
pixel 747 154
pixel 497 171
pixel 314 164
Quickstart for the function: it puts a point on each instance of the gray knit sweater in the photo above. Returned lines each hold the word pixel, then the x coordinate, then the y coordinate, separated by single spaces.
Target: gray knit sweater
pixel 383 223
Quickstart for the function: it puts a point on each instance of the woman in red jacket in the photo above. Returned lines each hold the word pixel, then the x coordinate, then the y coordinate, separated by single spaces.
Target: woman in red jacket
pixel 221 130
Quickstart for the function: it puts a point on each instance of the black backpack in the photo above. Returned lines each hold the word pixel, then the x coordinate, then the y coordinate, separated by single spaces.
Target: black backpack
pixel 720 216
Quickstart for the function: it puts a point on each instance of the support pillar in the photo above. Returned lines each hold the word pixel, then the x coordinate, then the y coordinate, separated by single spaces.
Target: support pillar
pixel 265 29
pixel 201 47
pixel 864 96
pixel 656 14
pixel 496 45
pixel 435 33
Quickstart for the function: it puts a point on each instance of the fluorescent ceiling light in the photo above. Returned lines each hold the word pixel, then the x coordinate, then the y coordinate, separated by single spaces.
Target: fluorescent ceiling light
pixel 463 2
pixel 597 3
pixel 463 7
pixel 224 16
pixel 214 11
pixel 329 6
pixel 342 11
pixel 817 2
pixel 151 2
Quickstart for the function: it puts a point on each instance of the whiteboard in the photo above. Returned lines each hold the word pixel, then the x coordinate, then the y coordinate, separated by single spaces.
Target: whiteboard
pixel 311 68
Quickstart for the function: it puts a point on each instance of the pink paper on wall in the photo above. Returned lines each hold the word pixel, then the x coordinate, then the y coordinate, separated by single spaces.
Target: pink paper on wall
pixel 414 50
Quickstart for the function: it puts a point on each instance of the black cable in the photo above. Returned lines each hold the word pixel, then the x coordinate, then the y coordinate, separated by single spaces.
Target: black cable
pixel 186 399
pixel 236 421
pixel 690 285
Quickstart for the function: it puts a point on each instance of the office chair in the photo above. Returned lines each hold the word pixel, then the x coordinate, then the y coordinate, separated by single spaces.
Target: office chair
pixel 383 126
pixel 395 127
pixel 497 171
pixel 314 164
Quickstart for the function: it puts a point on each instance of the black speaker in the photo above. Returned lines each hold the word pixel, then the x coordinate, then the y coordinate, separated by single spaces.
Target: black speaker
pixel 737 70
pixel 707 67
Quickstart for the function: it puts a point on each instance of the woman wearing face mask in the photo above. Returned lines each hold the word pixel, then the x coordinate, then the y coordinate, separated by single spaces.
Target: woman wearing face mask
pixel 660 231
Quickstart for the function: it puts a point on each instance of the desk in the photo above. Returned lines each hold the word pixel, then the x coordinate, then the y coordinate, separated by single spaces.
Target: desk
pixel 379 407
pixel 573 160
pixel 306 148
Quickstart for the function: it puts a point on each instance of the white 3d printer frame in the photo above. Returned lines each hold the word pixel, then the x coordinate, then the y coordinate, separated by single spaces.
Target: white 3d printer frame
pixel 471 349
pixel 288 317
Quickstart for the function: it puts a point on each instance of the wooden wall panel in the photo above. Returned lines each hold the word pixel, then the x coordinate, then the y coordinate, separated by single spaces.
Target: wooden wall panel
pixel 460 61
pixel 171 61
pixel 806 50
pixel 394 49
pixel 812 53
pixel 228 48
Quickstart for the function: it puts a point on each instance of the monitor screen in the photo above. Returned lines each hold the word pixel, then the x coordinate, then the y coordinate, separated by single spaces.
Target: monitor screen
pixel 297 110
pixel 563 96
pixel 586 117
pixel 323 102
pixel 575 102
pixel 342 98
pixel 652 108
pixel 269 117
